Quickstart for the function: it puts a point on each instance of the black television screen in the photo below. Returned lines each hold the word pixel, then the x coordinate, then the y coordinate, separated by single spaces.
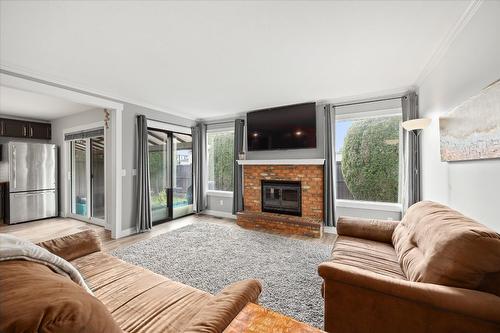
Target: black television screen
pixel 285 127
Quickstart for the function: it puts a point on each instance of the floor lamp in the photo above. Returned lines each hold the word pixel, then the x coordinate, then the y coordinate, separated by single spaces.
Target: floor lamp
pixel 415 126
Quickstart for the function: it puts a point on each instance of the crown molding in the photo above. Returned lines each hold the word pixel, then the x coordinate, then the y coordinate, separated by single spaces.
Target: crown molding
pixel 446 42
pixel 28 74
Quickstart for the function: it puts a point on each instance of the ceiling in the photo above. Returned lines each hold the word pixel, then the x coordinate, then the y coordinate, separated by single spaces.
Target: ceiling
pixel 205 59
pixel 26 104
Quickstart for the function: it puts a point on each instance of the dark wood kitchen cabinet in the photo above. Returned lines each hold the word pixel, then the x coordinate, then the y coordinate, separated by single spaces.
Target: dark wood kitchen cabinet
pixel 15 128
pixel 39 131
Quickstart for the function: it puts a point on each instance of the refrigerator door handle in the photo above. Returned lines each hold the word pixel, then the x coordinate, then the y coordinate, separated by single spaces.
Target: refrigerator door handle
pixel 31 194
pixel 14 166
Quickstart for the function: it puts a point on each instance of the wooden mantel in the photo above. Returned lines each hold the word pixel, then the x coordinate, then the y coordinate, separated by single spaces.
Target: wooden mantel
pixel 300 161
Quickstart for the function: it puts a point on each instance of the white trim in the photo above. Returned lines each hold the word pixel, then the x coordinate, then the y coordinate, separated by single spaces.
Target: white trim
pixel 217 213
pixel 329 230
pixel 51 90
pixel 221 194
pixel 448 39
pixel 168 127
pixel 304 161
pixel 369 114
pixel 220 128
pixel 371 205
pixel 14 69
pixel 116 152
pixel 81 128
pixel 127 232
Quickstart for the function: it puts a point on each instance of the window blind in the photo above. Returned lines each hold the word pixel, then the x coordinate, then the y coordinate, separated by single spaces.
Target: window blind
pixel 84 134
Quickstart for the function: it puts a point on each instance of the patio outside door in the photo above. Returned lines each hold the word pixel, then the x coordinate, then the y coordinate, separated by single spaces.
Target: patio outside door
pixel 159 145
pixel 87 175
pixel 171 174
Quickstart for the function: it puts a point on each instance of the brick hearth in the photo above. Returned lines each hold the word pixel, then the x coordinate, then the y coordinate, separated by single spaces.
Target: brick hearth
pixel 311 178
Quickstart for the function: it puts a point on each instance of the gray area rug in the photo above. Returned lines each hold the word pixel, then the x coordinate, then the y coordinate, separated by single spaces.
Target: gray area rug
pixel 210 257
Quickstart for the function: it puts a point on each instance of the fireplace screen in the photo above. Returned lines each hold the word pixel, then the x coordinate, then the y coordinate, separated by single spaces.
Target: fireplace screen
pixel 282 197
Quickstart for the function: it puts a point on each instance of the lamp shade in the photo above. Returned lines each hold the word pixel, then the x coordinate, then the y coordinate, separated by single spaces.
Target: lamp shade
pixel 416 124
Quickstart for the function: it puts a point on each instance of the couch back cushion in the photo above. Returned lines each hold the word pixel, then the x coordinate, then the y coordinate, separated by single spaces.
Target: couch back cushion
pixel 75 245
pixel 436 244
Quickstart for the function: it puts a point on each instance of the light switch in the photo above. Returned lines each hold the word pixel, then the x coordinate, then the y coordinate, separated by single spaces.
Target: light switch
pixel 124 172
pixel 134 172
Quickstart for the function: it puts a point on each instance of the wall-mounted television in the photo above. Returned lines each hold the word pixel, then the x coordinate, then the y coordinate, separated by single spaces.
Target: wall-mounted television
pixel 284 127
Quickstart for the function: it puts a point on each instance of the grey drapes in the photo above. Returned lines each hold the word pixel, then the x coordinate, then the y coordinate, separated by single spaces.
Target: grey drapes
pixel 239 133
pixel 330 167
pixel 199 167
pixel 411 154
pixel 144 222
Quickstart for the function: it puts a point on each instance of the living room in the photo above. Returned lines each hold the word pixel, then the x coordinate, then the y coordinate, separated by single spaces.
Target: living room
pixel 249 166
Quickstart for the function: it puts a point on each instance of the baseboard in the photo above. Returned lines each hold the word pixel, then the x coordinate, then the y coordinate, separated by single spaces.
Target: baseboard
pixel 219 214
pixel 127 232
pixel 330 230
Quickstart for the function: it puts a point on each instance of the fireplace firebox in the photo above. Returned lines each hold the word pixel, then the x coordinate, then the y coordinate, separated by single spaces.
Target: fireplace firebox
pixel 282 197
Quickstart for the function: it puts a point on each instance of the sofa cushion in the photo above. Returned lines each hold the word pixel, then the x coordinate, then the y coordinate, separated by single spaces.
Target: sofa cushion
pixel 372 229
pixel 142 301
pixel 36 299
pixel 73 246
pixel 436 244
pixel 376 257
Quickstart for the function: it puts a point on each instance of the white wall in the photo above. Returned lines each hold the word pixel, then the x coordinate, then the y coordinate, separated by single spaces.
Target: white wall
pixel 470 64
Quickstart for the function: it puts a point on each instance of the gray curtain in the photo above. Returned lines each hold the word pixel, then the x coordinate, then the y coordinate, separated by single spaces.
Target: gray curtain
pixel 144 222
pixel 199 167
pixel 239 133
pixel 330 167
pixel 411 154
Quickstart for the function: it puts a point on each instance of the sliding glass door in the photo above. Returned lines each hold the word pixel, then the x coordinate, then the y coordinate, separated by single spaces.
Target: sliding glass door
pixel 171 174
pixel 97 177
pixel 79 179
pixel 87 179
pixel 182 174
pixel 159 145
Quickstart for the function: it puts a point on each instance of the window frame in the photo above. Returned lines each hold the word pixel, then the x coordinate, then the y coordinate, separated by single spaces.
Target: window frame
pixel 373 205
pixel 217 193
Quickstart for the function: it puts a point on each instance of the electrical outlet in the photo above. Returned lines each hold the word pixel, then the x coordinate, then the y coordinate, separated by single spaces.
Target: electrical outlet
pixel 221 202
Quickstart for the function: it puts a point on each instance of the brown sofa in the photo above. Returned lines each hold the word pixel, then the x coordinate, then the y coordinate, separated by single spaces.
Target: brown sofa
pixel 435 271
pixel 137 299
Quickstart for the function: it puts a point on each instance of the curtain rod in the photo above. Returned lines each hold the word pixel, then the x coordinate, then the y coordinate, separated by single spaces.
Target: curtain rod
pixel 368 101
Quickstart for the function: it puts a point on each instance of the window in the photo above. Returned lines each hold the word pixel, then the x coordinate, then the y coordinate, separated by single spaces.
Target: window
pixel 220 160
pixel 368 156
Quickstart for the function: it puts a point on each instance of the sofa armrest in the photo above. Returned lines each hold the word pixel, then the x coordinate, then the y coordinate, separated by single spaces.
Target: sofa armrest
pixel 372 229
pixel 466 302
pixel 74 246
pixel 218 313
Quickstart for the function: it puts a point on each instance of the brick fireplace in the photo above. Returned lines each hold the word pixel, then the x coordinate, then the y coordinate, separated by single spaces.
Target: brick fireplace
pixel 284 196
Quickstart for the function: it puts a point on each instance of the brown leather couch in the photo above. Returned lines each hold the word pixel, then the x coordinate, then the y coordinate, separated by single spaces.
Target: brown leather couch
pixel 435 271
pixel 138 300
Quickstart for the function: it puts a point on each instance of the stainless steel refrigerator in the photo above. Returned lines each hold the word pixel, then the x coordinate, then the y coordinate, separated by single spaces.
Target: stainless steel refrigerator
pixel 31 172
